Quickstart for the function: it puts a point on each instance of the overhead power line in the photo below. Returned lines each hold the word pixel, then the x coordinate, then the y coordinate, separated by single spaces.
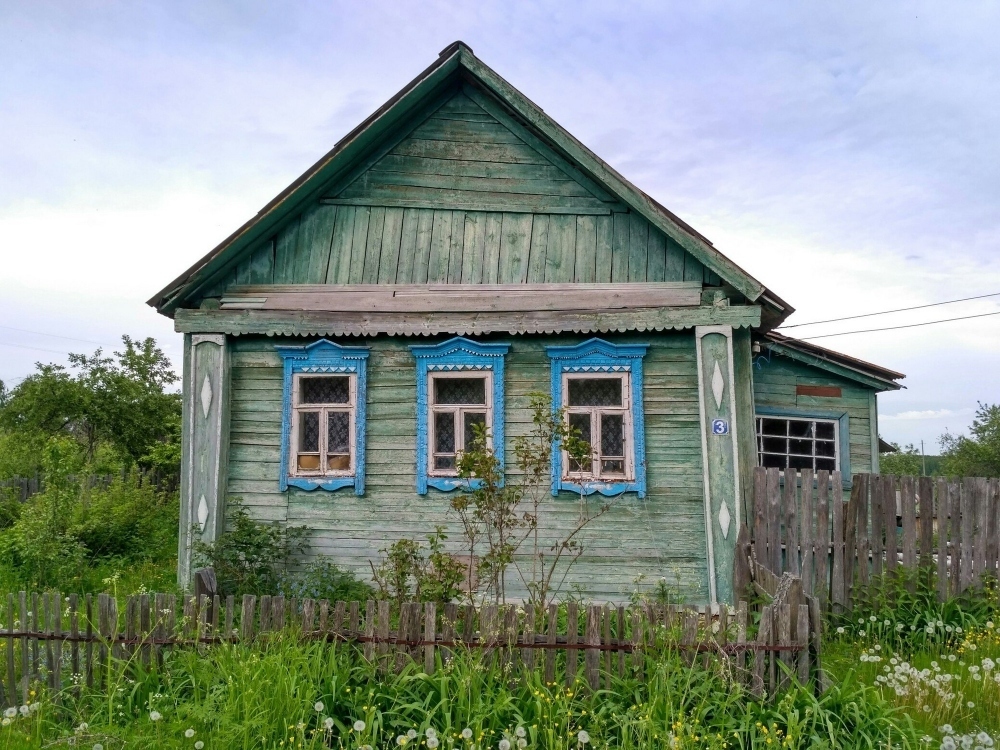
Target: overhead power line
pixel 886 312
pixel 894 328
pixel 51 335
pixel 33 348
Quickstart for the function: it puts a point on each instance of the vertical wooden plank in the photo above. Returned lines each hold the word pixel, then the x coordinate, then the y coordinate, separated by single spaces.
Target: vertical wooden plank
pixel 353 619
pixel 838 593
pixel 572 635
pixel 369 647
pixel 430 635
pixel 515 248
pixel 761 656
pixel 11 679
pixel 603 260
pixel 407 247
pixel 422 252
pixel 863 516
pixel 539 246
pixel 448 634
pixel 993 529
pixel 773 521
pixel 982 527
pixel 383 634
pixel 955 503
pixel 586 250
pixel 247 616
pixel 637 642
pixel 22 601
pixel 491 250
pixel 925 493
pixel 284 253
pixel 806 525
pixel 878 522
pixel 674 263
pixel 528 654
pixel 457 251
pixel 638 234
pixel 741 639
pixel 392 235
pixel 908 502
pixel 560 253
pixel 689 636
pixel 230 608
pixel 262 264
pixel 620 248
pixel 437 264
pixel 851 540
pixel 50 607
pixel 760 514
pixel 942 513
pixel 693 269
pixel 791 522
pixel 606 616
pixel 592 637
pixel 88 656
pixel 551 631
pixel 324 617
pixel 620 634
pixel 511 655
pixel 890 505
pixel 104 628
pixel 308 616
pixel 822 587
pixel 784 615
pixel 146 628
pixel 655 255
pixel 473 244
pixel 802 641
pixel 359 246
pixel 312 254
pixel 816 633
pixel 338 270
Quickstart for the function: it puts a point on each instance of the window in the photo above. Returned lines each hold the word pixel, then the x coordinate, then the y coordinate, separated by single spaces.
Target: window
pixel 599 386
pixel 323 418
pixel 459 385
pixel 458 404
pixel 798 443
pixel 597 408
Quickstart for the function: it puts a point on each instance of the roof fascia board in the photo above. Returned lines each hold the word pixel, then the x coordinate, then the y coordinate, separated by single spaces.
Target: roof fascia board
pixel 311 183
pixel 813 360
pixel 608 177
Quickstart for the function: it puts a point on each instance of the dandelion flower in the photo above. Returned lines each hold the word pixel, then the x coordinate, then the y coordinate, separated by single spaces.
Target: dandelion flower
pixel 10 713
pixel 431 733
pixel 328 724
pixel 432 742
pixel 189 733
pixel 520 732
pixel 522 743
pixel 840 631
pixel 412 734
pixel 5 722
pixel 582 737
pixel 199 745
pixel 970 704
pixel 319 706
pixel 83 727
pixel 155 716
pixel 25 710
pixel 98 746
pixel 504 744
pixel 467 733
pixel 401 740
pixel 359 726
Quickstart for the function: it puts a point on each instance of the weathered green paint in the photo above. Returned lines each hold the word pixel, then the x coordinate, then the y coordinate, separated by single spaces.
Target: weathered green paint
pixel 205 443
pixel 775 378
pixel 723 494
pixel 660 537
pixel 743 390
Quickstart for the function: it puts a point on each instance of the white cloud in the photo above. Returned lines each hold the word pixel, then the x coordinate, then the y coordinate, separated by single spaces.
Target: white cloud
pixel 926 414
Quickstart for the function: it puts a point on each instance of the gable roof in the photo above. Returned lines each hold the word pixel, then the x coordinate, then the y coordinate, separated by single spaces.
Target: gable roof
pixel 858 370
pixel 457 64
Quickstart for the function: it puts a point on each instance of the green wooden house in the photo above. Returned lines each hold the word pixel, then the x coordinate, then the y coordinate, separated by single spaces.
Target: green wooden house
pixel 453 254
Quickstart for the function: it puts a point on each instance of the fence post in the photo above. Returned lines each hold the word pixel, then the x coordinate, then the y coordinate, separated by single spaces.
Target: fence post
pixel 572 636
pixel 982 526
pixel 773 521
pixel 430 635
pixel 926 525
pixel 791 522
pixel 806 537
pixel 592 637
pixel 822 587
pixel 838 594
pixel 802 639
pixel 968 531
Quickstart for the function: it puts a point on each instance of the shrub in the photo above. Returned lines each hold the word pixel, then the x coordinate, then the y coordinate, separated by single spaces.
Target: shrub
pixel 324 580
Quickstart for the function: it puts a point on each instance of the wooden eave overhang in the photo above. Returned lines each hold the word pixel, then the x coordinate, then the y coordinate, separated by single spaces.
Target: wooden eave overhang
pixel 456 62
pixel 858 370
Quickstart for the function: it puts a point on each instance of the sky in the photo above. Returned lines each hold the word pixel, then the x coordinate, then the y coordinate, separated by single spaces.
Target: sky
pixel 845 154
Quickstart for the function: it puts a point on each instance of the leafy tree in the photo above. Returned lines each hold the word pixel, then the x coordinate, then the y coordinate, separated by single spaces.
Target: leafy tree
pixel 905 461
pixel 979 454
pixel 120 401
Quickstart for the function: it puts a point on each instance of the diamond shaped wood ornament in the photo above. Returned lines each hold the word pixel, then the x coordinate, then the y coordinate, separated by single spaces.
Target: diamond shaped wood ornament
pixel 718 384
pixel 202 512
pixel 724 519
pixel 206 396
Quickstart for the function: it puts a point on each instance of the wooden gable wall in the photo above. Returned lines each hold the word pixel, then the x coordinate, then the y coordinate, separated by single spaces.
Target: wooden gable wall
pixel 464 197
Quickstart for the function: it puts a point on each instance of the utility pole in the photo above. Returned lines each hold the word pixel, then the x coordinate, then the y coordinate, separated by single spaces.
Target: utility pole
pixel 923 460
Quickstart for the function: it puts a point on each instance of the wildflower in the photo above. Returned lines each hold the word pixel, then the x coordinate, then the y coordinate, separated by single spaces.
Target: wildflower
pixel 411 734
pixel 328 724
pixel 840 631
pixel 401 740
pixel 189 733
pixel 199 745
pixel 970 704
pixel 432 742
pixel 319 706
pixel 520 732
pixel 155 716
pixel 83 727
pixel 359 726
pixel 5 721
pixel 984 739
pixel 582 737
pixel 10 713
pixel 25 710
pixel 989 624
pixel 948 743
pixel 467 733
pixel 873 618
pixel 522 743
pixel 946 729
pixel 431 733
pixel 98 746
pixel 504 744
pixel 952 657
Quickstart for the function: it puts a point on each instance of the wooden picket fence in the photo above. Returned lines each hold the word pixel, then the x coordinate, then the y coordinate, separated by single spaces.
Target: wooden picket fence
pixel 23 488
pixel 72 642
pixel 948 528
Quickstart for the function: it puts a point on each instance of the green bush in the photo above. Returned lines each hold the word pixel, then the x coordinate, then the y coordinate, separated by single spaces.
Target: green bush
pixel 324 580
pixel 126 520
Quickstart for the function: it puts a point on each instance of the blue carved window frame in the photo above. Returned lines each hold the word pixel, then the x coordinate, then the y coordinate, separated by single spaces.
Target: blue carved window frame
pixel 455 355
pixel 597 355
pixel 833 415
pixel 324 357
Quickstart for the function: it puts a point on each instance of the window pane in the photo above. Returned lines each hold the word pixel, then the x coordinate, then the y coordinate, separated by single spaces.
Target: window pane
pixel 824 448
pixel 798 428
pixel 775 445
pixel 772 461
pixel 774 427
pixel 338 434
pixel 308 463
pixel 579 425
pixel 309 431
pixel 444 462
pixel 595 392
pixel 460 391
pixel 824 430
pixel 801 447
pixel 444 432
pixel 324 390
pixel 339 463
pixel 472 418
pixel 612 435
pixel 613 467
pixel 826 463
pixel 800 462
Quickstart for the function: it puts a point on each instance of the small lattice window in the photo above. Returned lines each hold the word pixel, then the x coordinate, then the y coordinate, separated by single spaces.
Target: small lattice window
pixel 323 425
pixel 458 404
pixel 598 412
pixel 798 443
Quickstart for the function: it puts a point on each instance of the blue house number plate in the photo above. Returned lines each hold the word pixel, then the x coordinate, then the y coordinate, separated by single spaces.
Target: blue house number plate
pixel 720 427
